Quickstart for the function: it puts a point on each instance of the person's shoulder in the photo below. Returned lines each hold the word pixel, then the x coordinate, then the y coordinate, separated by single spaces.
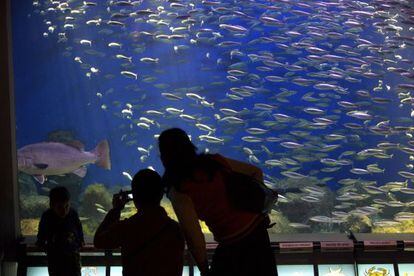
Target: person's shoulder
pixel 128 222
pixel 73 213
pixel 47 213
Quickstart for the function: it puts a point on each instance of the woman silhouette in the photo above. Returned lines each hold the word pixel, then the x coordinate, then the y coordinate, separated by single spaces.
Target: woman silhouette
pixel 196 187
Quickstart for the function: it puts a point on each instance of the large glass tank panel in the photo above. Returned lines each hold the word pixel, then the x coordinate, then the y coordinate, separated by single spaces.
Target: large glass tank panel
pixel 318 94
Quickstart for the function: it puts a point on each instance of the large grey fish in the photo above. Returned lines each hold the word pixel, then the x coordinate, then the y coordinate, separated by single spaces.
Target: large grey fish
pixel 52 158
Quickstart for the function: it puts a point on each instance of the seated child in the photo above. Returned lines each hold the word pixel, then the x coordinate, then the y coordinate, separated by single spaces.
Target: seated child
pixel 151 242
pixel 60 234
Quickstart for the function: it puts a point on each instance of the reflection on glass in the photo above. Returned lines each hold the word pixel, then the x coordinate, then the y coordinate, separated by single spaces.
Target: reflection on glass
pixel 86 271
pixel 37 271
pixel 376 270
pixel 336 270
pixel 186 271
pixel 116 270
pixel 295 270
pixel 406 269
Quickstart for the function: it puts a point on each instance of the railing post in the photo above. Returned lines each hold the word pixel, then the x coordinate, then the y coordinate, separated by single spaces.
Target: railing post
pixel 108 255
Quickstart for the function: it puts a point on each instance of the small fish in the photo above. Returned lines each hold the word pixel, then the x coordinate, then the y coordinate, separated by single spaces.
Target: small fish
pixel 102 211
pixel 129 74
pixel 114 45
pixel 127 175
pixel 211 139
pixel 293 175
pixel 359 171
pixel 86 42
pixel 149 60
pixel 174 111
pixel 299 225
pixel 404 174
pixel 171 96
pixel 119 56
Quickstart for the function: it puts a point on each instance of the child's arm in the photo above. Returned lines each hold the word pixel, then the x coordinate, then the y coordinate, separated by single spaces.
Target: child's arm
pixel 42 233
pixel 79 230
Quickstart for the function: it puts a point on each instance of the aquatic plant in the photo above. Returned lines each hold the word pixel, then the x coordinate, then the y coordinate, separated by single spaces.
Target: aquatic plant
pixel 406 226
pixel 297 209
pixel 93 195
pixel 71 181
pixel 357 224
pixel 29 227
pixel 33 206
pixel 61 136
pixel 281 224
pixel 27 185
pixel 95 202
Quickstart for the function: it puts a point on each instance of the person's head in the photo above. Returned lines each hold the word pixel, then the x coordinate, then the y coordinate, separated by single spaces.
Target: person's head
pixel 175 146
pixel 59 200
pixel 147 190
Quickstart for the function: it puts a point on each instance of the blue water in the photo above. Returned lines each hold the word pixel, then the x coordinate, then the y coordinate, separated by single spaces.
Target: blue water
pixel 53 93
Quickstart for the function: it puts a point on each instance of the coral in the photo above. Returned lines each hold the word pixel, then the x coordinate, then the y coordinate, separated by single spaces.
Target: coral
pixel 61 136
pixel 29 227
pixel 116 188
pixel 27 185
pixel 71 181
pixel 33 206
pixel 406 226
pixel 357 224
pixel 281 223
pixel 94 195
pixel 298 210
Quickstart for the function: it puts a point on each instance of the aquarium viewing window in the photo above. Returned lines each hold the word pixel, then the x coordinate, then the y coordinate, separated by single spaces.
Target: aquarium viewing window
pixel 316 94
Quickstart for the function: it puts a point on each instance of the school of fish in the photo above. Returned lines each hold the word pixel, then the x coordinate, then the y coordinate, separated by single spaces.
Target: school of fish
pixel 307 90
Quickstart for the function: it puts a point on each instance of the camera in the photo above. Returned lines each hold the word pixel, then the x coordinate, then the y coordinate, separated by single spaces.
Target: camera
pixel 124 195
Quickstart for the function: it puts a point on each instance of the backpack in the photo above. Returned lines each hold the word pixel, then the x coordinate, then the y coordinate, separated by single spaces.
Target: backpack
pixel 247 193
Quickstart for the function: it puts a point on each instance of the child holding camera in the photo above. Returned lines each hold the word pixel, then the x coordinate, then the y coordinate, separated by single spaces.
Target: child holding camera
pixel 149 237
